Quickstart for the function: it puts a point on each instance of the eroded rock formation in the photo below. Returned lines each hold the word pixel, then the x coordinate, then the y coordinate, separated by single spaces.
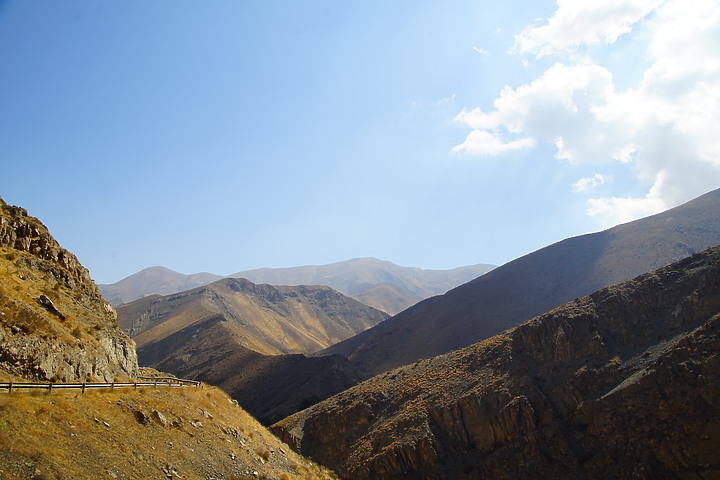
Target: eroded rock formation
pixel 624 383
pixel 54 324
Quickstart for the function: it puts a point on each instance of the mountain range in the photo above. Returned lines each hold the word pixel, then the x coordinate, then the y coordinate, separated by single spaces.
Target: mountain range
pixel 380 284
pixel 624 383
pixel 533 284
pixel 620 383
pixel 228 333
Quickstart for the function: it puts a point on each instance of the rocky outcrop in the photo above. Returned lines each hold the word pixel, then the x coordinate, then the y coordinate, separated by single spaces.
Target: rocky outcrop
pixel 54 324
pixel 624 383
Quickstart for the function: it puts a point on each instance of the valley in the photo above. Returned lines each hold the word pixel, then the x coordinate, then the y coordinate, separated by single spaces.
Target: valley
pixel 596 354
pixel 622 382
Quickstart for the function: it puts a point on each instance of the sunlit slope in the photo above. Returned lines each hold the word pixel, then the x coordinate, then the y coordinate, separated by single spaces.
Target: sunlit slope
pixel 267 319
pixel 180 433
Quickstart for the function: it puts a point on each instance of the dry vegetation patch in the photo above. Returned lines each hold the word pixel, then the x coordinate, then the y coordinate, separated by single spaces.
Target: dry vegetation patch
pixel 189 433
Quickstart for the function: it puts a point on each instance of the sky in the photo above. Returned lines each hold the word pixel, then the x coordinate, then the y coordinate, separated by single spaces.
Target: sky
pixel 224 136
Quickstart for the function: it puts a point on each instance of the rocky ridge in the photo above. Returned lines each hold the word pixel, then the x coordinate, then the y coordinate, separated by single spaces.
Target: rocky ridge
pixel 251 340
pixel 623 383
pixel 267 319
pixel 54 324
pixel 377 283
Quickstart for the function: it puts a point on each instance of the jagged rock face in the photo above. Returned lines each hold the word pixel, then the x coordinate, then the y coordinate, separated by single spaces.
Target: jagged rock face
pixel 54 324
pixel 624 383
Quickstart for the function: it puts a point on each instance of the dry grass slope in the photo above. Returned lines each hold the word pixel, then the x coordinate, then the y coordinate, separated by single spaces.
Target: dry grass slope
pixel 189 433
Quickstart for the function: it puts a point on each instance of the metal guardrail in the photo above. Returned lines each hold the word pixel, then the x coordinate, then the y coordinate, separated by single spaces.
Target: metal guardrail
pixel 183 381
pixel 13 387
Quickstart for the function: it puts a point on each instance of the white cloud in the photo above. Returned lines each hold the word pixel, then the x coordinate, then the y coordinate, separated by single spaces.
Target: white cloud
pixel 582 23
pixel 483 142
pixel 665 127
pixel 615 210
pixel 588 183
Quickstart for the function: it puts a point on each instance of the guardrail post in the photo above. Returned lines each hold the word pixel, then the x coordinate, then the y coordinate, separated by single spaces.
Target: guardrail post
pixel 50 387
pixel 83 388
pixel 112 386
pixel 10 387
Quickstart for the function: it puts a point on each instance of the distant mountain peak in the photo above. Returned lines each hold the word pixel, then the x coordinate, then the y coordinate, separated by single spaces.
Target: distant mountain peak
pixel 357 277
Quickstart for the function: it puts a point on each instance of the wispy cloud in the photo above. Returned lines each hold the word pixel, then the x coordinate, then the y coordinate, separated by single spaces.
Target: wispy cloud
pixel 588 183
pixel 664 127
pixel 483 142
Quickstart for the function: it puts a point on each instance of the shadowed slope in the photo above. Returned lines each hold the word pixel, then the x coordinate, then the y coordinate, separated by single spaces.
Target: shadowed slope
pixel 624 383
pixel 533 284
pixel 268 386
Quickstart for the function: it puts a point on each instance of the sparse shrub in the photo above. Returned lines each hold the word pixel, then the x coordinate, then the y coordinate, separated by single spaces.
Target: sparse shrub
pixel 263 453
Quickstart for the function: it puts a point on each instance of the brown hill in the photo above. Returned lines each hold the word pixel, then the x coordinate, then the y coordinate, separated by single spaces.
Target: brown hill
pixel 268 319
pixel 249 340
pixel 533 284
pixel 624 383
pixel 54 325
pixel 380 284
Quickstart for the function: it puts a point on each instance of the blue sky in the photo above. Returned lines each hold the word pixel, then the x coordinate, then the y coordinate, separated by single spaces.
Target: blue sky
pixel 223 136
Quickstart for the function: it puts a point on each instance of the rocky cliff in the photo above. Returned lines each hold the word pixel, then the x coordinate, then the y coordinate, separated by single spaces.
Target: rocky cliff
pixel 54 324
pixel 623 383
